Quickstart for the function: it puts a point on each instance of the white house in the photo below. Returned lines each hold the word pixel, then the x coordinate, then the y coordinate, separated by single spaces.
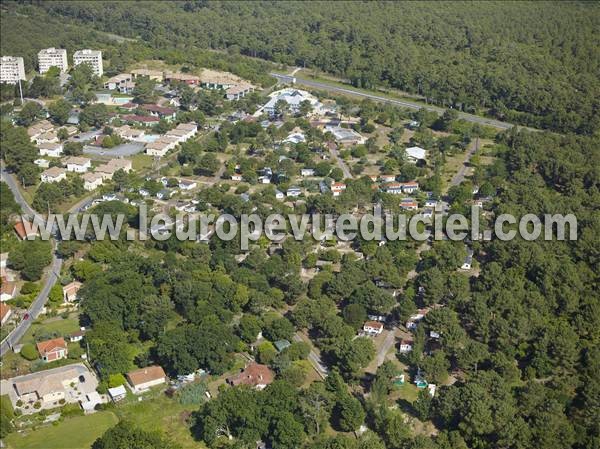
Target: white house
pixel 51 149
pixel 92 181
pixel 410 186
pixel 140 380
pixel 53 174
pixel 467 264
pixel 117 393
pixel 70 291
pixel 295 138
pixel 183 131
pixel 279 195
pixel 186 184
pixel 415 154
pixel 42 163
pixel 293 98
pixel 294 191
pixel 373 327
pixel 406 345
pixel 236 177
pixel 78 164
pixel 307 172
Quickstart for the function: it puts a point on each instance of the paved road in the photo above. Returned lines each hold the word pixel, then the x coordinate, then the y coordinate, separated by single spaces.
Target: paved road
pixel 314 359
pixel 462 171
pixel 404 103
pixel 38 303
pixel 389 341
pixel 341 163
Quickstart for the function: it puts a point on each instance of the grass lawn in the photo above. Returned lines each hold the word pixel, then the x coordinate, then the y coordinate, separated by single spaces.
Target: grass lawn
pixel 141 161
pixel 73 433
pixel 54 325
pixel 161 413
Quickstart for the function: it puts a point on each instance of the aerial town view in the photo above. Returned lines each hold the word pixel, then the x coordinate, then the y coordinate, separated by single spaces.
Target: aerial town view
pixel 299 225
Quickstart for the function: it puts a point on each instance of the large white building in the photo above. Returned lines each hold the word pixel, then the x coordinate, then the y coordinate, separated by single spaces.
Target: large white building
pixel 12 69
pixel 52 57
pixel 91 57
pixel 293 97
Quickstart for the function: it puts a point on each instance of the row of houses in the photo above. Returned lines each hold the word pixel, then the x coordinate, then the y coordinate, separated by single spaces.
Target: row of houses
pixel 91 180
pixel 181 133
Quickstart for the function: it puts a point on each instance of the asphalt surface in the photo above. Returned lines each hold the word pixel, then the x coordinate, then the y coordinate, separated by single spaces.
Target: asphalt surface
pixel 341 163
pixel 314 359
pixel 462 171
pixel 125 149
pixel 404 103
pixel 38 303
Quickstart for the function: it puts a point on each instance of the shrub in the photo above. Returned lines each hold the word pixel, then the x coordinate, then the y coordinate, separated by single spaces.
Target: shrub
pixel 114 380
pixel 28 352
pixel 37 405
pixel 192 394
pixel 19 403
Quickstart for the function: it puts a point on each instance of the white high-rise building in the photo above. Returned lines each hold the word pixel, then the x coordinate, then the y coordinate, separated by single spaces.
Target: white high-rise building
pixel 91 57
pixel 52 57
pixel 12 69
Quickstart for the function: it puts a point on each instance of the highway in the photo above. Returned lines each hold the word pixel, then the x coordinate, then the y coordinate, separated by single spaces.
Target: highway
pixel 403 103
pixel 52 276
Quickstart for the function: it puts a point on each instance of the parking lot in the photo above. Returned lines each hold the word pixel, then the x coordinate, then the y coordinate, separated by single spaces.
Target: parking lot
pixel 125 149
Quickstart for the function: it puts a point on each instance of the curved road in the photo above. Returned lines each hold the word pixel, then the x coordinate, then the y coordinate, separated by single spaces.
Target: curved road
pixel 38 303
pixel 404 103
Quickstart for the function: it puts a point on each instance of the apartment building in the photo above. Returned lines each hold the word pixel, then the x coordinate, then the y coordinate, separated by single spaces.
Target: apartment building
pixel 52 57
pixel 12 69
pixel 91 57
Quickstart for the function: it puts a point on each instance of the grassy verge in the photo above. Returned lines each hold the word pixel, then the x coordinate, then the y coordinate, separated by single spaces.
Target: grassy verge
pixel 73 433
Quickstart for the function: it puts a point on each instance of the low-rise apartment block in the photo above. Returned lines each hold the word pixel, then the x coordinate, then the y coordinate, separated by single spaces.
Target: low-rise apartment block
pixel 53 174
pixel 51 149
pixel 12 69
pixel 52 57
pixel 91 57
pixel 78 164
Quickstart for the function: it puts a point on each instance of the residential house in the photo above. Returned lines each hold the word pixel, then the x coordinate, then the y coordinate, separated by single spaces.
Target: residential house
pixel 279 194
pixel 237 177
pixel 142 120
pixel 393 188
pixel 47 137
pixel 161 147
pixel 239 91
pixel 117 82
pixel 280 345
pixel 90 401
pixel 295 138
pixel 91 181
pixel 254 375
pixel 294 191
pixel 155 75
pixel 117 393
pixel 373 327
pixel 264 179
pixel 78 164
pixel 345 136
pixel 141 380
pixel 53 174
pixel 307 172
pixel 186 78
pixel 337 188
pixel 164 194
pixel 77 335
pixel 42 163
pixel 161 112
pixel 415 154
pixel 387 178
pixel 37 129
pixel 293 98
pixel 8 290
pixel 129 133
pixel 25 231
pixel 406 345
pixel 5 313
pixel 52 387
pixel 409 204
pixel 467 264
pixel 51 350
pixel 52 149
pixel 71 290
pixel 108 170
pixel 182 134
pixel 410 186
pixel 186 184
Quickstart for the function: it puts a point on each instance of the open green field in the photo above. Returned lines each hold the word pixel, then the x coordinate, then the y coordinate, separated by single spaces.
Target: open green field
pixel 73 433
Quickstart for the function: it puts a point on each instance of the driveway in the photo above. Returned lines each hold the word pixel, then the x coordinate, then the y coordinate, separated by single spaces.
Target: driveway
pixel 125 149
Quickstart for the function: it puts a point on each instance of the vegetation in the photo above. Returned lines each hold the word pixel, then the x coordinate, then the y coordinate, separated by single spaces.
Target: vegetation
pixel 506 58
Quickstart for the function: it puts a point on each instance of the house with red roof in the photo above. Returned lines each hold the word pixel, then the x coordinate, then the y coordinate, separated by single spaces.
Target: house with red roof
pixel 5 313
pixel 51 350
pixel 254 375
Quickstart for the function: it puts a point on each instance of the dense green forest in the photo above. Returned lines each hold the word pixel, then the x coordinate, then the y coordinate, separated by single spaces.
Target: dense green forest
pixel 531 63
